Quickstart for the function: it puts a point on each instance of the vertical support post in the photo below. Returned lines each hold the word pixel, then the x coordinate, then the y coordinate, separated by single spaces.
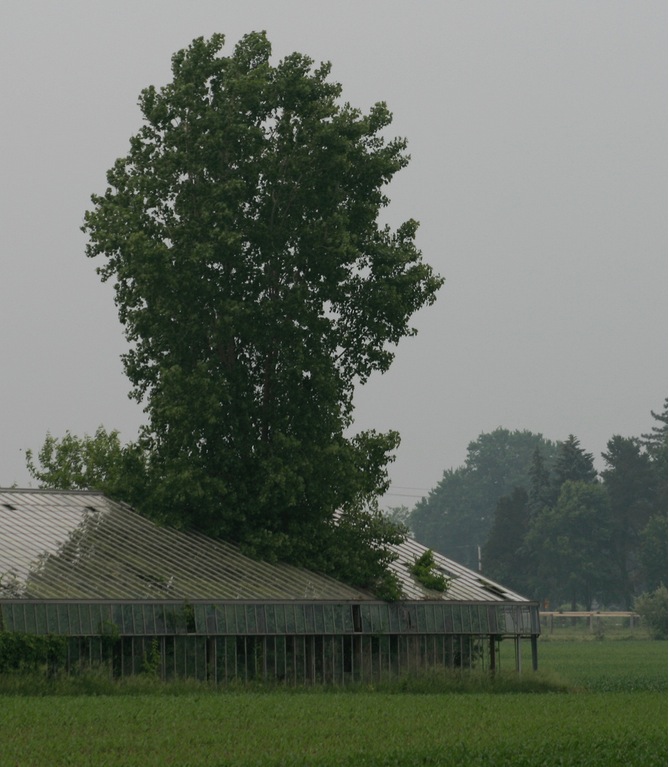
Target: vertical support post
pixel 519 654
pixel 493 659
pixel 535 654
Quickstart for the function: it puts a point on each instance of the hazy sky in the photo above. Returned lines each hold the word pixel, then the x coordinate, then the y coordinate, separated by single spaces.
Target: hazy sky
pixel 538 137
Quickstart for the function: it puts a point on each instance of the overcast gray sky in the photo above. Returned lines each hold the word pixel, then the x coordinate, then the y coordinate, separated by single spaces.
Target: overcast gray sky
pixel 538 137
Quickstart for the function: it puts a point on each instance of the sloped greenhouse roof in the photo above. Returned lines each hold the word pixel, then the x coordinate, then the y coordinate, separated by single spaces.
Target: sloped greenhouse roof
pixel 81 545
pixel 463 584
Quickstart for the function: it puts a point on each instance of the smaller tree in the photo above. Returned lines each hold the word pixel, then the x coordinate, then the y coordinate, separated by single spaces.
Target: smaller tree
pixel 629 484
pixel 99 462
pixel 540 491
pixel 653 550
pixel 504 557
pixel 573 464
pixel 571 544
pixel 652 608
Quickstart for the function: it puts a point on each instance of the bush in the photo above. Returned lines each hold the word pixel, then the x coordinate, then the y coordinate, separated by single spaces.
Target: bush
pixel 425 570
pixel 28 652
pixel 652 607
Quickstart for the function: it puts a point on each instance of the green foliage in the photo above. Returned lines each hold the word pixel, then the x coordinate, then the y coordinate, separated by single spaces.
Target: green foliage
pixel 652 607
pixel 152 661
pixel 653 549
pixel 458 514
pixel 572 544
pixel 74 463
pixel 30 652
pixel 503 556
pixel 257 290
pixel 630 485
pixel 617 717
pixel 573 464
pixel 425 570
pixel 99 462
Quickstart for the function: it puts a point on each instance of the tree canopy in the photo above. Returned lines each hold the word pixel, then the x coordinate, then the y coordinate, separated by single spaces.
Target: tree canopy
pixel 257 289
pixel 457 515
pixel 548 525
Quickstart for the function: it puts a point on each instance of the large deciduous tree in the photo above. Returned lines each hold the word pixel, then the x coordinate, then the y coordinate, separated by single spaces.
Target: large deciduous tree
pixel 257 288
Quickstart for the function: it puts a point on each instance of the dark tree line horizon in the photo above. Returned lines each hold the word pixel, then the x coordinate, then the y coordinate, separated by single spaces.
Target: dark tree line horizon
pixel 536 516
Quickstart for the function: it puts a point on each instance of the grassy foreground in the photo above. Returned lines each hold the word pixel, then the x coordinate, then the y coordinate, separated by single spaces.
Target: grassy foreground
pixel 614 715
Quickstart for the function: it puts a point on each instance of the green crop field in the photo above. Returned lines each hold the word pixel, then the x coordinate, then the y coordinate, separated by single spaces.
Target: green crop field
pixel 613 712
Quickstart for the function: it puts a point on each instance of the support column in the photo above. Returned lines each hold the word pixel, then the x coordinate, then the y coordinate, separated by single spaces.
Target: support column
pixel 535 655
pixel 493 657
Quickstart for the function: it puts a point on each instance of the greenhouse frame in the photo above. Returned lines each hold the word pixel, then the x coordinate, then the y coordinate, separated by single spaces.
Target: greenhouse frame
pixel 103 587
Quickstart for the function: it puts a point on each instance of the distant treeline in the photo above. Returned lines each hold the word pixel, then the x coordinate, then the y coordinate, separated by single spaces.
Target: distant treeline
pixel 536 516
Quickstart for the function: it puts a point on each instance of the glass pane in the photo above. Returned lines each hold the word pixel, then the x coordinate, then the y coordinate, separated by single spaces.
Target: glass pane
pixel 429 619
pixel 290 619
pixel 251 623
pixel 230 619
pixel 280 615
pixel 52 619
pixel 240 612
pixel 40 618
pixel 438 612
pixel 116 617
pixel 260 619
pixel 447 615
pixel 270 619
pixel 127 620
pixel 346 617
pixel 319 619
pixel 457 619
pixel 9 620
pixel 466 620
pixel 394 619
pixel 476 623
pixel 340 613
pixel 109 618
pixel 75 622
pixel 150 619
pixel 328 619
pixel 215 619
pixel 138 619
pixel 420 619
pixel 29 619
pixel 211 619
pixel 309 619
pixel 84 620
pixel 299 619
pixel 366 618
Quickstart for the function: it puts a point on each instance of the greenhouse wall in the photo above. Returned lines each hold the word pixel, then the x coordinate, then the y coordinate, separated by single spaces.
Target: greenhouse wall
pixel 285 642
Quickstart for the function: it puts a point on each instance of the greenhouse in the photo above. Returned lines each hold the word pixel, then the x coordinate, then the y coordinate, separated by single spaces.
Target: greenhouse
pixel 87 583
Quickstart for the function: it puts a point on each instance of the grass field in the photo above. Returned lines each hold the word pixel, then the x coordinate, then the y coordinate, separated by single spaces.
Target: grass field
pixel 615 713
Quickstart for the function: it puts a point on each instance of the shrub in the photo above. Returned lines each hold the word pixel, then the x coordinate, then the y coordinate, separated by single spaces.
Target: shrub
pixel 652 607
pixel 425 570
pixel 28 652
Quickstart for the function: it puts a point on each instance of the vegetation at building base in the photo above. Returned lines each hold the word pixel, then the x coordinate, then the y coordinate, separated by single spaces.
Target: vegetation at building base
pixel 257 290
pixel 613 715
pixel 549 527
